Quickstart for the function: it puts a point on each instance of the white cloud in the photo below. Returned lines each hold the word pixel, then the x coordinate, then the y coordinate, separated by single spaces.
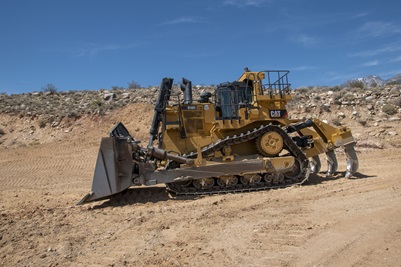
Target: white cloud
pixel 183 20
pixel 336 77
pixel 371 63
pixel 245 3
pixel 302 68
pixel 390 73
pixel 93 49
pixel 383 50
pixel 377 29
pixel 397 59
pixel 360 15
pixel 305 40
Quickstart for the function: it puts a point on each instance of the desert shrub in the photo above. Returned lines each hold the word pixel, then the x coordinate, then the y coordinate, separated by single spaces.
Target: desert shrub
pixel 336 96
pixel 362 122
pixel 393 83
pixel 396 102
pixel 115 88
pixel 101 111
pixel 302 90
pixel 389 109
pixel 73 114
pixel 357 84
pixel 96 103
pixel 325 108
pixel 133 85
pixel 42 122
pixel 336 122
pixel 51 88
pixel 335 88
pixel 395 91
pixel 349 97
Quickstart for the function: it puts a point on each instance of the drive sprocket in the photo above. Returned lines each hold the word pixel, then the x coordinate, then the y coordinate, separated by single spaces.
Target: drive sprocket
pixel 270 144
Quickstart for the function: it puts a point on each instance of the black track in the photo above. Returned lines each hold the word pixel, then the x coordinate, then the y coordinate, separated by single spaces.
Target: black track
pixel 294 150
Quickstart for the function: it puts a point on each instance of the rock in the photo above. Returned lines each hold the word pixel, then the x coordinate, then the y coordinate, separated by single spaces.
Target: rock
pixel 341 114
pixel 392 119
pixel 326 107
pixel 392 133
pixel 369 98
pixel 311 105
pixel 330 93
pixel 125 95
pixel 109 96
pixel 371 144
pixel 370 107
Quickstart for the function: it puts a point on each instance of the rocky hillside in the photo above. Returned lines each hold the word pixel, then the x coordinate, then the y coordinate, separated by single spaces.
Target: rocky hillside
pixel 34 118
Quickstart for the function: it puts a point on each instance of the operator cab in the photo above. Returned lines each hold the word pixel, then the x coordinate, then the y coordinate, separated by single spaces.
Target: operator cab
pixel 230 97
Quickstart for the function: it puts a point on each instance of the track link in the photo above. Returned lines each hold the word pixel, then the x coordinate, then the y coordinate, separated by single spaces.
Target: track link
pixel 293 149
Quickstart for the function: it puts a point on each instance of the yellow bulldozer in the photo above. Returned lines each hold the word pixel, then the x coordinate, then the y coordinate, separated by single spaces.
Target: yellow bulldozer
pixel 237 139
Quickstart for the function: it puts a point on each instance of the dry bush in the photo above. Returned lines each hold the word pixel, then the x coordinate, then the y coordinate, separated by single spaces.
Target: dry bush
pixel 336 122
pixel 389 109
pixel 42 122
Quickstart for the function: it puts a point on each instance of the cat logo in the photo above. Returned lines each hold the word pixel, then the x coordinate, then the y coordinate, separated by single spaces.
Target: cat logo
pixel 278 113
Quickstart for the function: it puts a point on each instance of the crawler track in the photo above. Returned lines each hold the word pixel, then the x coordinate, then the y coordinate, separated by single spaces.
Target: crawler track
pixel 267 182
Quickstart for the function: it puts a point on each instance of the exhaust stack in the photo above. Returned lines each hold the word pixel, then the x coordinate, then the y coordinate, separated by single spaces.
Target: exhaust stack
pixel 186 87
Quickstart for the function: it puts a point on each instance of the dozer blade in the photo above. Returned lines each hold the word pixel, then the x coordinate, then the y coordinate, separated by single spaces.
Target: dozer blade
pixel 113 169
pixel 332 163
pixel 352 160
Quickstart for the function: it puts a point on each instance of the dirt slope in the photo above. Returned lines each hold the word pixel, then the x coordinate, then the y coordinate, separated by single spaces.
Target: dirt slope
pixel 327 222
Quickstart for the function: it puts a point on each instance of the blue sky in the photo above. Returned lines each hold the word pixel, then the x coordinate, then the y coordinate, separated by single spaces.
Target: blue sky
pixel 94 44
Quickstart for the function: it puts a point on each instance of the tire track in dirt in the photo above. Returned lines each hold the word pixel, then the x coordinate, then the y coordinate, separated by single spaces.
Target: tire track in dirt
pixel 45 166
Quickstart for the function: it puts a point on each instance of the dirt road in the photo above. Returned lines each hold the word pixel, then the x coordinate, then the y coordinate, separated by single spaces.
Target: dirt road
pixel 327 222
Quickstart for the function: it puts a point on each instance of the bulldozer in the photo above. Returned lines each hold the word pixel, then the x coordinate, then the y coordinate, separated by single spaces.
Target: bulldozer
pixel 238 138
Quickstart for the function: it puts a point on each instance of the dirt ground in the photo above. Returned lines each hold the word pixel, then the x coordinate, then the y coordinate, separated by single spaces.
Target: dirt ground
pixel 326 222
